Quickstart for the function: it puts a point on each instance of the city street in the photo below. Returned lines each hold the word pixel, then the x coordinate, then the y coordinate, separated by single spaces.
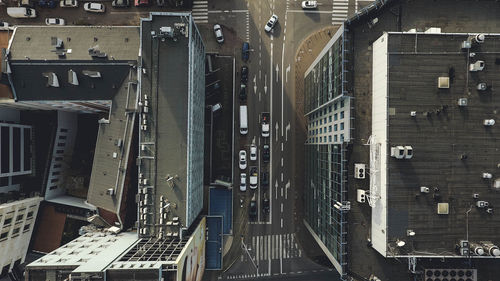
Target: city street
pixel 267 245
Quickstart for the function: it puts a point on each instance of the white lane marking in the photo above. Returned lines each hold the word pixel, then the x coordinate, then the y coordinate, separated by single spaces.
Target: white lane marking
pixel 282 178
pixel 281 149
pixel 281 207
pixel 281 191
pixel 276 188
pixel 287 70
pixel 282 87
pixel 309 12
pixel 287 186
pixel 287 129
pixel 281 246
pixel 281 226
pixel 277 70
pixel 281 160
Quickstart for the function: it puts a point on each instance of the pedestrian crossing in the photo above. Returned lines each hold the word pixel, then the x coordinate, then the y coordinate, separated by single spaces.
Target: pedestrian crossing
pixel 273 247
pixel 340 11
pixel 200 11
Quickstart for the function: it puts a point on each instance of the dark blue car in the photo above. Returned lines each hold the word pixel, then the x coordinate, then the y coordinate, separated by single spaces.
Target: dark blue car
pixel 47 3
pixel 245 51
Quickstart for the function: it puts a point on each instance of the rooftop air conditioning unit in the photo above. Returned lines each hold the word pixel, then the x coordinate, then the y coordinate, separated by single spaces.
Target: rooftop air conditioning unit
pixel 489 122
pixel 464 251
pixel 408 152
pixel 490 248
pixel 145 181
pixel 487 176
pixel 119 143
pixel 361 198
pixel 479 38
pixel 110 191
pixel 398 152
pixel 477 249
pixel 462 102
pixel 444 82
pixel 477 66
pixel 359 171
pixel 481 86
pixel 424 189
pixel 167 31
pixel 482 204
pixel 496 183
pixel 464 244
pixel 413 113
pixel 466 44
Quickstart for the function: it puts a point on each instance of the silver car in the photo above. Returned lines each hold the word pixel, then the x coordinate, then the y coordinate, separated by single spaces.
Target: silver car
pixel 271 23
pixel 243 159
pixel 218 34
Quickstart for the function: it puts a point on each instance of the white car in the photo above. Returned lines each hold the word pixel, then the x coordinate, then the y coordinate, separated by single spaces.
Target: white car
pixel 309 4
pixel 270 24
pixel 489 122
pixel 243 159
pixel 253 152
pixel 68 4
pixel 254 177
pixel 218 34
pixel 54 21
pixel 243 182
pixel 94 7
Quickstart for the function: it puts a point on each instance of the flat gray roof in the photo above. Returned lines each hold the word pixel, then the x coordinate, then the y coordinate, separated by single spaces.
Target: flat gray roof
pixel 415 61
pixel 34 42
pixel 112 151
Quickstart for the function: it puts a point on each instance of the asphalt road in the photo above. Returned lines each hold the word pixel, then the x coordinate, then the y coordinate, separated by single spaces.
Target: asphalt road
pixel 269 246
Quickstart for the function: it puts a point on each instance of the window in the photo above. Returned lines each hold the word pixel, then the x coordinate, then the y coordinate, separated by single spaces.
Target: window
pixel 63 130
pixel 320 139
pixel 19 217
pixel 58 158
pixel 330 138
pixel 335 128
pixel 341 103
pixel 62 137
pixel 15 232
pixel 4 235
pixel 335 106
pixel 335 116
pixel 29 215
pixel 56 173
pixel 26 228
pixel 320 121
pixel 57 166
pixel 61 144
pixel 330 128
pixel 342 125
pixel 320 130
pixel 53 187
pixel 330 118
pixel 342 115
pixel 335 138
pixel 324 138
pixel 341 137
pixel 59 151
pixel 330 108
pixel 7 221
pixel 54 180
pixel 324 120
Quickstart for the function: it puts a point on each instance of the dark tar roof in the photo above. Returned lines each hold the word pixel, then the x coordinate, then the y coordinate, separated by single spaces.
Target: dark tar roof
pixel 438 140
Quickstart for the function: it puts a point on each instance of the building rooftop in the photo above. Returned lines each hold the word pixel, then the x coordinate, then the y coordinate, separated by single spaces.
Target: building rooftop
pixel 35 42
pixel 56 63
pixel 451 146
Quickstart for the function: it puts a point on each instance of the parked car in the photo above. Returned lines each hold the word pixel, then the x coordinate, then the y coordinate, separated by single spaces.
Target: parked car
pixel 264 179
pixel 264 120
pixel 271 23
pixel 265 204
pixel 94 7
pixel 47 3
pixel 243 92
pixel 218 34
pixel 21 12
pixel 54 21
pixel 245 51
pixel 309 4
pixel 243 182
pixel 254 177
pixel 120 3
pixel 4 25
pixel 265 153
pixel 244 74
pixel 243 159
pixel 252 212
pixel 68 3
pixel 253 152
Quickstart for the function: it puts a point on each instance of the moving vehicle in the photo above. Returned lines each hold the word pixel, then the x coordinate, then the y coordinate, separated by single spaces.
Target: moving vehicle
pixel 264 179
pixel 252 212
pixel 68 4
pixel 21 12
pixel 243 182
pixel 254 177
pixel 54 21
pixel 265 153
pixel 218 34
pixel 245 51
pixel 309 4
pixel 243 120
pixel 253 152
pixel 94 7
pixel 243 159
pixel 271 23
pixel 47 3
pixel 244 74
pixel 264 120
pixel 140 3
pixel 120 3
pixel 265 204
pixel 243 92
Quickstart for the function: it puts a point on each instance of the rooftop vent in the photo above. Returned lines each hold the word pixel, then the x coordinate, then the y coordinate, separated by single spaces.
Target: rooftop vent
pixel 398 152
pixel 408 152
pixel 481 86
pixel 72 78
pixel 52 79
pixel 444 82
pixel 462 102
pixel 466 45
pixel 95 53
pixel 92 74
pixel 56 42
pixel 477 66
pixel 479 38
pixel 359 171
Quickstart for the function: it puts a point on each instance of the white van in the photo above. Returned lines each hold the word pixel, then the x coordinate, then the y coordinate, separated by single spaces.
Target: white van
pixel 21 12
pixel 243 120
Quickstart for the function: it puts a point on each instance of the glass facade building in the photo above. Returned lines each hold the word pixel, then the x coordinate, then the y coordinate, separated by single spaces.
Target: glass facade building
pixel 328 114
